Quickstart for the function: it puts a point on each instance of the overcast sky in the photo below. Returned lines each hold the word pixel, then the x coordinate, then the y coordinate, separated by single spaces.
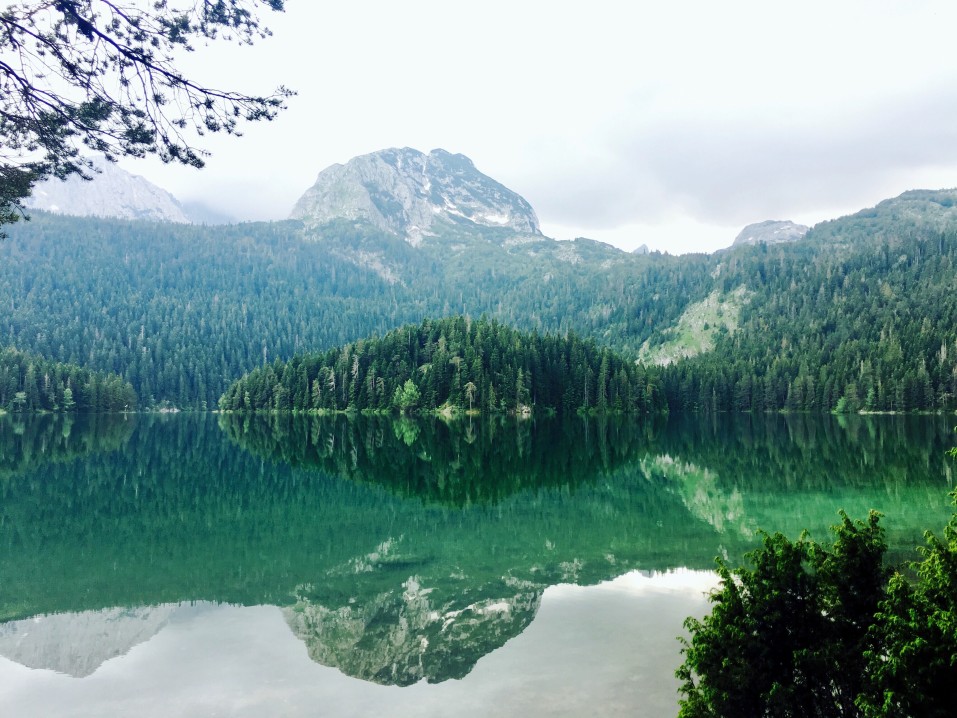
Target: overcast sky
pixel 671 125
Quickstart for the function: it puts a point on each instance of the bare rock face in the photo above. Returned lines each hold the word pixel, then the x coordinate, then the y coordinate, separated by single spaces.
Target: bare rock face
pixel 770 232
pixel 411 194
pixel 112 192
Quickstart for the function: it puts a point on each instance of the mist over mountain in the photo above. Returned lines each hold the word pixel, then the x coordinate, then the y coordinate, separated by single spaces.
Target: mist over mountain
pixel 201 213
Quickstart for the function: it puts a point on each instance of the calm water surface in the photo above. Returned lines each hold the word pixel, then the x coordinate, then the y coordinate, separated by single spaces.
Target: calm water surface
pixel 203 565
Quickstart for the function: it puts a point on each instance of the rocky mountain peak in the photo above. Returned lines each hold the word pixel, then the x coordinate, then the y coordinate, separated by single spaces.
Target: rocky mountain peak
pixel 411 194
pixel 112 192
pixel 770 232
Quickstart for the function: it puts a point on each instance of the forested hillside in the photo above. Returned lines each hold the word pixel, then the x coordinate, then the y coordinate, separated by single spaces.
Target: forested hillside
pixel 455 363
pixel 861 314
pixel 181 311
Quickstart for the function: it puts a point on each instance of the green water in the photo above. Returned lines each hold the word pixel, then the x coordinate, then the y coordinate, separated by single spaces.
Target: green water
pixel 402 551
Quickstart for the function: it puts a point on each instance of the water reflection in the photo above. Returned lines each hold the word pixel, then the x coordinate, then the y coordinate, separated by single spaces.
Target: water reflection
pixel 476 460
pixel 402 552
pixel 77 644
pixel 403 637
pixel 29 442
pixel 603 649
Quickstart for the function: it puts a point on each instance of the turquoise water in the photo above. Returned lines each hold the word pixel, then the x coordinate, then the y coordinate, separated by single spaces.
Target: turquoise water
pixel 223 565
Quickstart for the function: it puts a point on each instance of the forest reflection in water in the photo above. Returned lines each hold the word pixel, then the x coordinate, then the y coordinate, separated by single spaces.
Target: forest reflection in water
pixel 402 551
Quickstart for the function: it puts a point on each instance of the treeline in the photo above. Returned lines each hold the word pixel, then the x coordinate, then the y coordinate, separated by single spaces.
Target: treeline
pixel 29 384
pixel 475 365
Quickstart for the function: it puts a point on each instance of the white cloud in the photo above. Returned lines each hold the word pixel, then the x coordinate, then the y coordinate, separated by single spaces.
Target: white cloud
pixel 605 116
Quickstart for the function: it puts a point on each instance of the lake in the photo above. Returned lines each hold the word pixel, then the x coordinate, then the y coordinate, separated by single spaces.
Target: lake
pixel 223 565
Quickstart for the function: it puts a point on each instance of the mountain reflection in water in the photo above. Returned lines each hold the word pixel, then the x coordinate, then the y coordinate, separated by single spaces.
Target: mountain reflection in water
pixel 404 551
pixel 605 648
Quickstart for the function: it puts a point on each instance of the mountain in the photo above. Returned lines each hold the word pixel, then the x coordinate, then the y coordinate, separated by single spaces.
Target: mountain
pixel 928 212
pixel 112 192
pixel 770 232
pixel 413 195
pixel 861 309
pixel 433 225
pixel 856 316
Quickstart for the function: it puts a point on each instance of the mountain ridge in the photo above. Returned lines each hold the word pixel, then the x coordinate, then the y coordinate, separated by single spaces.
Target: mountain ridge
pixel 181 311
pixel 414 196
